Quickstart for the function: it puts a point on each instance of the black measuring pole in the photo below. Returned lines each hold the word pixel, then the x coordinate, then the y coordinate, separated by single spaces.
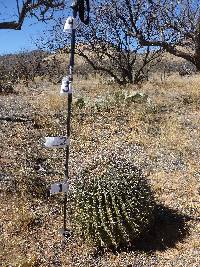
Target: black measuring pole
pixel 69 107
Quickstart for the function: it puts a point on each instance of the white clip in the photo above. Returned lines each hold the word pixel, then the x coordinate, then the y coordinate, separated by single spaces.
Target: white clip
pixel 56 142
pixel 60 187
pixel 70 24
pixel 66 86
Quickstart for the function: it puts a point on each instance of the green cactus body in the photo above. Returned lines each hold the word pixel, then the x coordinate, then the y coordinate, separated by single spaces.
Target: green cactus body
pixel 112 208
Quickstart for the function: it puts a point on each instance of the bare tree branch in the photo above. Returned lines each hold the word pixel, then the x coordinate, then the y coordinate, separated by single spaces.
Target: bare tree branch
pixel 107 45
pixel 30 7
pixel 171 25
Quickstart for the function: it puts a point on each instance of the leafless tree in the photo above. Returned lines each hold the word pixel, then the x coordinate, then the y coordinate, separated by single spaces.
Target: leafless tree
pixel 107 45
pixel 172 25
pixel 41 9
pixel 22 67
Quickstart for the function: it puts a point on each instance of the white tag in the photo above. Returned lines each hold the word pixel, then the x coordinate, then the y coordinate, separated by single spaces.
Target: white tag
pixel 70 88
pixel 66 86
pixel 59 187
pixel 70 24
pixel 56 142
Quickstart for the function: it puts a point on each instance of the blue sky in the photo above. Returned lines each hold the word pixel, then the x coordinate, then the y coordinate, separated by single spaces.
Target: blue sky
pixel 12 41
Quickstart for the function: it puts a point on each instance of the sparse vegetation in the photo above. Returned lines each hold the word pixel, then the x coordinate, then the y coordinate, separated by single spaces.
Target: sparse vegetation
pixel 159 134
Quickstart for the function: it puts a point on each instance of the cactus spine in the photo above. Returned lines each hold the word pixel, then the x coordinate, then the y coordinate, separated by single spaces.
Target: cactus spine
pixel 111 207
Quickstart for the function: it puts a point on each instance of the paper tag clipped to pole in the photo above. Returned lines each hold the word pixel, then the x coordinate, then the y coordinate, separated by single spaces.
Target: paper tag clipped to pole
pixel 66 86
pixel 56 142
pixel 60 187
pixel 70 24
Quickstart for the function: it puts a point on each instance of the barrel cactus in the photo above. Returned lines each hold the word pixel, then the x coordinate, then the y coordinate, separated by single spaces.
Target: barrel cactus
pixel 111 203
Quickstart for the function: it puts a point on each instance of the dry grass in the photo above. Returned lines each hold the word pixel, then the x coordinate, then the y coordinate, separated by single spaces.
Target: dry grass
pixel 160 135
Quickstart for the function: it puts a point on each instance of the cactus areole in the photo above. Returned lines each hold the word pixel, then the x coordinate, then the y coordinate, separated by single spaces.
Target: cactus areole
pixel 111 204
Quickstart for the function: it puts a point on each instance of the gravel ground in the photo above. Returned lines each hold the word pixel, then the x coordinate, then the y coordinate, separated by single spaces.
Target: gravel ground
pixel 160 135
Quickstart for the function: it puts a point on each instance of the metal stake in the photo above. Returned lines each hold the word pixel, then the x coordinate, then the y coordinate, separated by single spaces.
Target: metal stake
pixel 71 66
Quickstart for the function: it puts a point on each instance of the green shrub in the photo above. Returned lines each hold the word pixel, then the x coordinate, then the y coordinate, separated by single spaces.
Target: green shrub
pixel 111 203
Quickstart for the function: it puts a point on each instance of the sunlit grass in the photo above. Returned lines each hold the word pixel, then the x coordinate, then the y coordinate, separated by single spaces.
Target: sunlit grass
pixel 163 130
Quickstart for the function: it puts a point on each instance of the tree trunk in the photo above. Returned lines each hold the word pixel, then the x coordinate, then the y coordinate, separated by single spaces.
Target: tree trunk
pixel 129 75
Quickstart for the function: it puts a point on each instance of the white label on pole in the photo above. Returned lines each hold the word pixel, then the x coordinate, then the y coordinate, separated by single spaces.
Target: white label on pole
pixel 70 88
pixel 56 142
pixel 59 187
pixel 66 87
pixel 70 24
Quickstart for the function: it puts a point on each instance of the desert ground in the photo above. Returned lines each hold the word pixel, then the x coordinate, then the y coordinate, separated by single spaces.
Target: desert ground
pixel 155 125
